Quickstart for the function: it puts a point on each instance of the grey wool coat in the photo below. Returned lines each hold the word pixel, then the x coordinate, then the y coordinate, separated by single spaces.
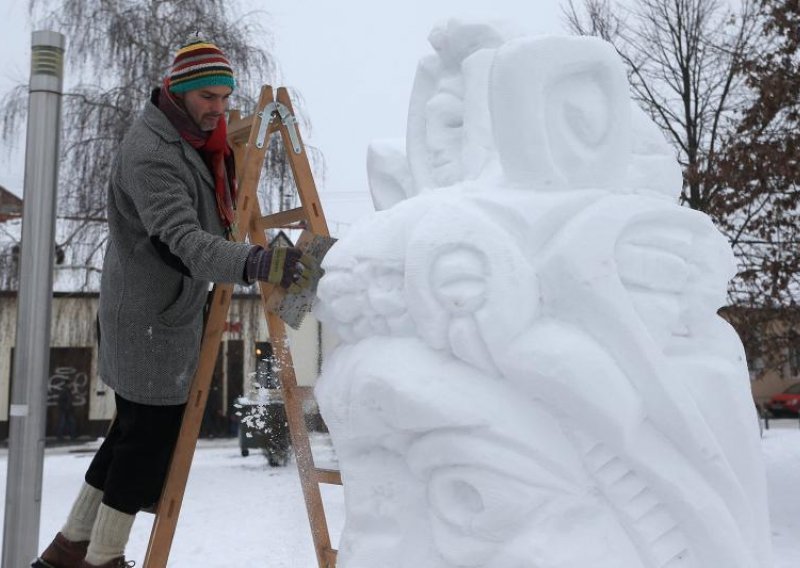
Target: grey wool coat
pixel 166 244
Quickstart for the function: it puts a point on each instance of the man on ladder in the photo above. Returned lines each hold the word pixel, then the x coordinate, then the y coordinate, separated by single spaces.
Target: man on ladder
pixel 170 208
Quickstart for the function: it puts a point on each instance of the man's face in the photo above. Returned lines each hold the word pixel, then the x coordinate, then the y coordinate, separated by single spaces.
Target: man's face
pixel 207 106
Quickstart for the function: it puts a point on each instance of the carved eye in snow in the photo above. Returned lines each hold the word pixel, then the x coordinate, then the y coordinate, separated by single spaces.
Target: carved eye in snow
pixel 475 505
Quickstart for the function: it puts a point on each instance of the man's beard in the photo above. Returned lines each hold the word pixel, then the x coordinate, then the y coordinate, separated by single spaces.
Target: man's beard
pixel 208 124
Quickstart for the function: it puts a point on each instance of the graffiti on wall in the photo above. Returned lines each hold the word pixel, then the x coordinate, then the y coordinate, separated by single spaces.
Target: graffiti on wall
pixel 74 380
pixel 68 387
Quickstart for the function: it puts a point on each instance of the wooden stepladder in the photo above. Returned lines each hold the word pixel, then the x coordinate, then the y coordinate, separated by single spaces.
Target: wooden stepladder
pixel 249 138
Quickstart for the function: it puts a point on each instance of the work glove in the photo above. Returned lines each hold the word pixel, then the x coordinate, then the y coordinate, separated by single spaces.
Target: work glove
pixel 287 267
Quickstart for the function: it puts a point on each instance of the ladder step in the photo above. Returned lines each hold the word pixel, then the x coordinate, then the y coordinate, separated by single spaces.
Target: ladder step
pixel 280 219
pixel 327 476
pixel 239 129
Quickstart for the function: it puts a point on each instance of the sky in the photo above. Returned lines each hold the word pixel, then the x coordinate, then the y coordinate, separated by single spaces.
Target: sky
pixel 353 61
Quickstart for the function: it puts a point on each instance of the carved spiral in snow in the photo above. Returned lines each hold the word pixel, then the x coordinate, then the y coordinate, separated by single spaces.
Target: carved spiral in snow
pixel 560 113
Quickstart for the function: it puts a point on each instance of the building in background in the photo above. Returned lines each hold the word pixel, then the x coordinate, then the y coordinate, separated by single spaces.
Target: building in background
pixel 73 362
pixel 10 205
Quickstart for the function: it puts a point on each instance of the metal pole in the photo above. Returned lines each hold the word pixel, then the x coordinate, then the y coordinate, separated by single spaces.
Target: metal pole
pixel 32 350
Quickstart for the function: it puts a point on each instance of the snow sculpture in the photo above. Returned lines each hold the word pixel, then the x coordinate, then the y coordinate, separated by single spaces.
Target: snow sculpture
pixel 532 372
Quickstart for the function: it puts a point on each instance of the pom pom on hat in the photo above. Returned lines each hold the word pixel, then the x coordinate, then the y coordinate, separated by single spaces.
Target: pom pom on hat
pixel 200 64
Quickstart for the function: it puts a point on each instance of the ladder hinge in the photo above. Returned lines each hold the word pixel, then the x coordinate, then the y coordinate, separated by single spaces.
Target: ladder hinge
pixel 278 111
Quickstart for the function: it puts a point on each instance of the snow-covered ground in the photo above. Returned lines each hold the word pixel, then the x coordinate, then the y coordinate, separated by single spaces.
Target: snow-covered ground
pixel 241 512
pixel 237 511
pixel 781 445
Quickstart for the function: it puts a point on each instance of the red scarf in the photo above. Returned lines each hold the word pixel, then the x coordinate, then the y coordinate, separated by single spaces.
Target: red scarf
pixel 214 149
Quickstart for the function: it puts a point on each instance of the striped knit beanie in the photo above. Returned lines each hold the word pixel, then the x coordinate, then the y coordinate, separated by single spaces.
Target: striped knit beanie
pixel 200 64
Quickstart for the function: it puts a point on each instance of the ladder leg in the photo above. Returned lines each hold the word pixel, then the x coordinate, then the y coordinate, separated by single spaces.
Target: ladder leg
pixel 293 402
pixel 303 177
pixel 300 441
pixel 310 476
pixel 169 505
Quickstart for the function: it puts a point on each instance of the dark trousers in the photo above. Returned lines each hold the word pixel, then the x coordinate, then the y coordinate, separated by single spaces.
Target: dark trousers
pixel 132 462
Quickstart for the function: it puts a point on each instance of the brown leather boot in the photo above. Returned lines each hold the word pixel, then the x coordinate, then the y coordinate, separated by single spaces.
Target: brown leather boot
pixel 62 553
pixel 118 562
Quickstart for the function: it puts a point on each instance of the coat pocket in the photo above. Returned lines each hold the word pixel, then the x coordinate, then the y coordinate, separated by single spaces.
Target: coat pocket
pixel 187 305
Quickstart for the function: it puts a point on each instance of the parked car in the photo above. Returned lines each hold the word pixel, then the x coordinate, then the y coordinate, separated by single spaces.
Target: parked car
pixel 786 403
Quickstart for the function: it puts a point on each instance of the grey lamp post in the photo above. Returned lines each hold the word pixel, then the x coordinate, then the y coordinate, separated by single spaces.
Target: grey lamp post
pixel 32 350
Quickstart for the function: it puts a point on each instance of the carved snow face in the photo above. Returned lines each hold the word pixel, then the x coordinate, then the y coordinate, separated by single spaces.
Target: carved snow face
pixel 444 116
pixel 448 136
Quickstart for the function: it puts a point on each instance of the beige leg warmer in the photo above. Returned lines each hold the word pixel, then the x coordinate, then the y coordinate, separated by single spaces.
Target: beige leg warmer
pixel 109 535
pixel 80 521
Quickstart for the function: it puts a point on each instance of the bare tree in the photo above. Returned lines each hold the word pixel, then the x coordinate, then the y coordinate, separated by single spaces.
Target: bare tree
pixel 762 170
pixel 684 61
pixel 118 50
pixel 687 63
pixel 594 18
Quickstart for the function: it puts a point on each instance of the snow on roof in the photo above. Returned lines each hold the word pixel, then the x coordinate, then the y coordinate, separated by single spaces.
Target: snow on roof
pixel 12 192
